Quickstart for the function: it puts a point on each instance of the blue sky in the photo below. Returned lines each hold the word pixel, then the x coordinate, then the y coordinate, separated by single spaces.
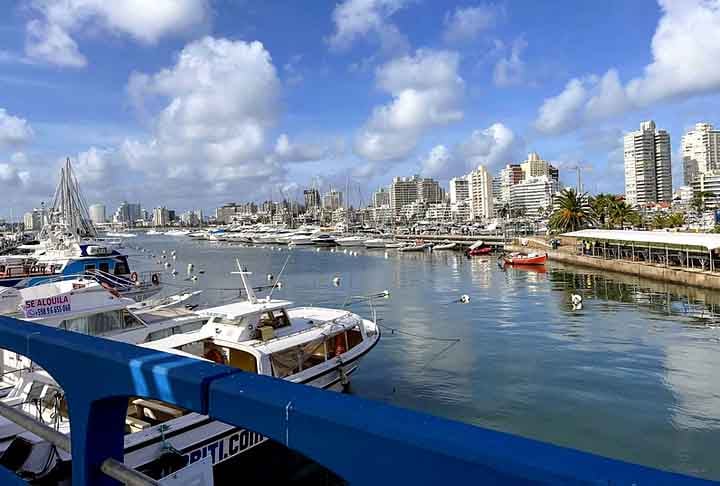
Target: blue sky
pixel 190 103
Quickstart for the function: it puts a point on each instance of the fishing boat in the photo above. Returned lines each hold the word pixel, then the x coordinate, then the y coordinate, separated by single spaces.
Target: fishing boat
pixel 320 347
pixel 448 245
pixel 351 241
pixel 525 258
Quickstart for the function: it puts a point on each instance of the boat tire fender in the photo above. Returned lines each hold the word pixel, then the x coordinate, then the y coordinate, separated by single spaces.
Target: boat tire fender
pixel 134 276
pixel 155 279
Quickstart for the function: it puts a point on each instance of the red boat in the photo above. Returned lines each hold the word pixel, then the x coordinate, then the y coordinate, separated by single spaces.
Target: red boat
pixel 523 259
pixel 480 250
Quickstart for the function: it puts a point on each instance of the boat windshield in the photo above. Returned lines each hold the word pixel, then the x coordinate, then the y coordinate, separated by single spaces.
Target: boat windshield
pixel 275 319
pixel 105 323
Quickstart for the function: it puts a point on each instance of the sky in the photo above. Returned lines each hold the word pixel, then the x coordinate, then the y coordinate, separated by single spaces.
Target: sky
pixel 193 103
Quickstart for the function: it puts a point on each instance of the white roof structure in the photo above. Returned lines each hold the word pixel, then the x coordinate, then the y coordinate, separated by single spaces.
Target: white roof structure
pixel 239 309
pixel 709 241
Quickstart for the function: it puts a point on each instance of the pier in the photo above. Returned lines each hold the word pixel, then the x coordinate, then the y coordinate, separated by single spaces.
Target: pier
pixel 495 241
pixel 362 441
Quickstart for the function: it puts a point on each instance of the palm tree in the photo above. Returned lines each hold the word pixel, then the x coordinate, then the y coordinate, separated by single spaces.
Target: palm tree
pixel 620 213
pixel 600 206
pixel 572 212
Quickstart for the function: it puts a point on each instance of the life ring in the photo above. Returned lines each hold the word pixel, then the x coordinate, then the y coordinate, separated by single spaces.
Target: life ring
pixel 134 276
pixel 155 279
pixel 339 344
pixel 214 355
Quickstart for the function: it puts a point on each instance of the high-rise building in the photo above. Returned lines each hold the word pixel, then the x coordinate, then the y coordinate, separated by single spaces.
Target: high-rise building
pixel 97 213
pixel 459 189
pixel 127 213
pixel 533 196
pixel 381 197
pixel 701 151
pixel 480 191
pixel 312 198
pixel 648 172
pixel 161 216
pixel 509 176
pixel 708 184
pixel 332 200
pixel 534 166
pixel 35 219
pixel 407 190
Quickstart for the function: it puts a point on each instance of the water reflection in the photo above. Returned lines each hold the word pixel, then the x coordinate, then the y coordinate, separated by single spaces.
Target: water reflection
pixel 629 376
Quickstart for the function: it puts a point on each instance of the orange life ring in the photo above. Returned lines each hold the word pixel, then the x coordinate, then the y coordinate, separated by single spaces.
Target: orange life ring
pixel 214 355
pixel 134 276
pixel 155 279
pixel 339 344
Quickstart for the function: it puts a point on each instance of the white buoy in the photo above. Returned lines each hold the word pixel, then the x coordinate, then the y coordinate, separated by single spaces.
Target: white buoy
pixel 194 278
pixel 174 257
pixel 270 277
pixel 279 284
pixel 174 272
pixel 345 250
pixel 332 250
pixel 167 265
pixel 317 249
pixel 336 281
pixel 190 268
pixel 387 255
pixel 465 299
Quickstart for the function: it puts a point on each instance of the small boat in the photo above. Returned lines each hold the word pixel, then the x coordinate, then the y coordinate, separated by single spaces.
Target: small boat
pixel 377 243
pixel 120 235
pixel 449 245
pixel 417 246
pixel 351 241
pixel 525 259
pixel 480 250
pixel 324 239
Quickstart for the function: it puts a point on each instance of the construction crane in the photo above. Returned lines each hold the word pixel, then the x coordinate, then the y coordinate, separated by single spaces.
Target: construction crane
pixel 579 169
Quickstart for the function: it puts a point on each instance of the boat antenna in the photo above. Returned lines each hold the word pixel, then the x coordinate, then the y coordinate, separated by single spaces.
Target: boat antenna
pixel 277 280
pixel 248 289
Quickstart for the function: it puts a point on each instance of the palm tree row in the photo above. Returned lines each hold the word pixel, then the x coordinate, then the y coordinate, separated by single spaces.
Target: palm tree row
pixel 577 211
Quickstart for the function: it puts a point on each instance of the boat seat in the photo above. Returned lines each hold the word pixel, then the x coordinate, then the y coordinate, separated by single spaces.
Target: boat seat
pixel 136 424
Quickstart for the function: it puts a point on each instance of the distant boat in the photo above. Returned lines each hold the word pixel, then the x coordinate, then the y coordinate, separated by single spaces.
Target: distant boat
pixel 120 235
pixel 417 246
pixel 480 250
pixel 324 239
pixel 351 241
pixel 450 245
pixel 525 259
pixel 177 232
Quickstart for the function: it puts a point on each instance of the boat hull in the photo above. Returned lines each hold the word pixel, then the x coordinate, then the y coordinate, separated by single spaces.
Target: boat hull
pixel 483 250
pixel 526 260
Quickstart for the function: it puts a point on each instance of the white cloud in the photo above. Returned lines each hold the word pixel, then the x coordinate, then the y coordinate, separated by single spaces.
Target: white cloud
pixel 491 147
pixel 426 90
pixel 94 165
pixel 357 19
pixel 510 70
pixel 466 23
pixel 438 162
pixel 221 99
pixel 287 151
pixel 49 37
pixel 560 113
pixel 685 49
pixel 14 130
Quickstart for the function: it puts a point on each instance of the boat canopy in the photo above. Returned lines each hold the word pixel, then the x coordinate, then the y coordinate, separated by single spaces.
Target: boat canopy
pixel 708 241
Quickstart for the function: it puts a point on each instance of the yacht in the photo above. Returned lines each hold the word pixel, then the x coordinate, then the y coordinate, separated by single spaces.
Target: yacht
pixel 382 243
pixel 316 346
pixel 324 239
pixel 351 241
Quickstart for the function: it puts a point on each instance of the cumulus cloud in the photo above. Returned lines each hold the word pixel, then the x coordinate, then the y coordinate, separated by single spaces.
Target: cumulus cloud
pixel 221 98
pixel 466 23
pixel 358 19
pixel 685 49
pixel 510 70
pixel 426 90
pixel 491 147
pixel 13 129
pixel 287 151
pixel 49 37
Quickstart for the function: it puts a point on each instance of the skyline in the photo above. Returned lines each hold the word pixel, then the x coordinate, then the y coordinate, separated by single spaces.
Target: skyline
pixel 274 95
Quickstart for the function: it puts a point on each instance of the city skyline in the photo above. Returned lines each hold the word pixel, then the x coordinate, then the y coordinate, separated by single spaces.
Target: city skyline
pixel 161 106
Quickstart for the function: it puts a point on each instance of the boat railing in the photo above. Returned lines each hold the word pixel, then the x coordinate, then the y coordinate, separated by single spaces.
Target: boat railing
pixel 331 429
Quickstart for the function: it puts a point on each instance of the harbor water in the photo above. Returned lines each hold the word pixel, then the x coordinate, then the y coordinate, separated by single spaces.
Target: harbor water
pixel 631 375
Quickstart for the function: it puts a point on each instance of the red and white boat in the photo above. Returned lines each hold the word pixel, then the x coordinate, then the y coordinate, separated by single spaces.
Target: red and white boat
pixel 525 259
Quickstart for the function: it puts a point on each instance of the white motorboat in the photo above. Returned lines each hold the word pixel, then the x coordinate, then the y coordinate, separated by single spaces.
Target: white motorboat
pixel 382 243
pixel 319 347
pixel 118 234
pixel 417 246
pixel 153 232
pixel 449 245
pixel 324 239
pixel 351 241
pixel 177 233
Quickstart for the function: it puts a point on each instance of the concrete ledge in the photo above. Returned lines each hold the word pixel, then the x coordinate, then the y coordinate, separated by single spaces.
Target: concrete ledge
pixel 694 277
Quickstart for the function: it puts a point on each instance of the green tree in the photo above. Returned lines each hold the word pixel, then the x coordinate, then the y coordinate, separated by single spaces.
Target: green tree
pixel 698 200
pixel 621 214
pixel 600 206
pixel 572 212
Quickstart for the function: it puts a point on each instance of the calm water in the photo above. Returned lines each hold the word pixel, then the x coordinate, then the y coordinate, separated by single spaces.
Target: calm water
pixel 632 375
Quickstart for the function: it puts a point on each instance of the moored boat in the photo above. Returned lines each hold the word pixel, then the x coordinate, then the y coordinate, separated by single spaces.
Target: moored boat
pixel 525 258
pixel 449 245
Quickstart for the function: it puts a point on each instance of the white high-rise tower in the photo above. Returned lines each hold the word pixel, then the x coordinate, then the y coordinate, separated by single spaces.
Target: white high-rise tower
pixel 648 172
pixel 701 151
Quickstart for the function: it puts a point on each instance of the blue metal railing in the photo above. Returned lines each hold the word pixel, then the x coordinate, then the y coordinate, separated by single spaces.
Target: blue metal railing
pixel 363 441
